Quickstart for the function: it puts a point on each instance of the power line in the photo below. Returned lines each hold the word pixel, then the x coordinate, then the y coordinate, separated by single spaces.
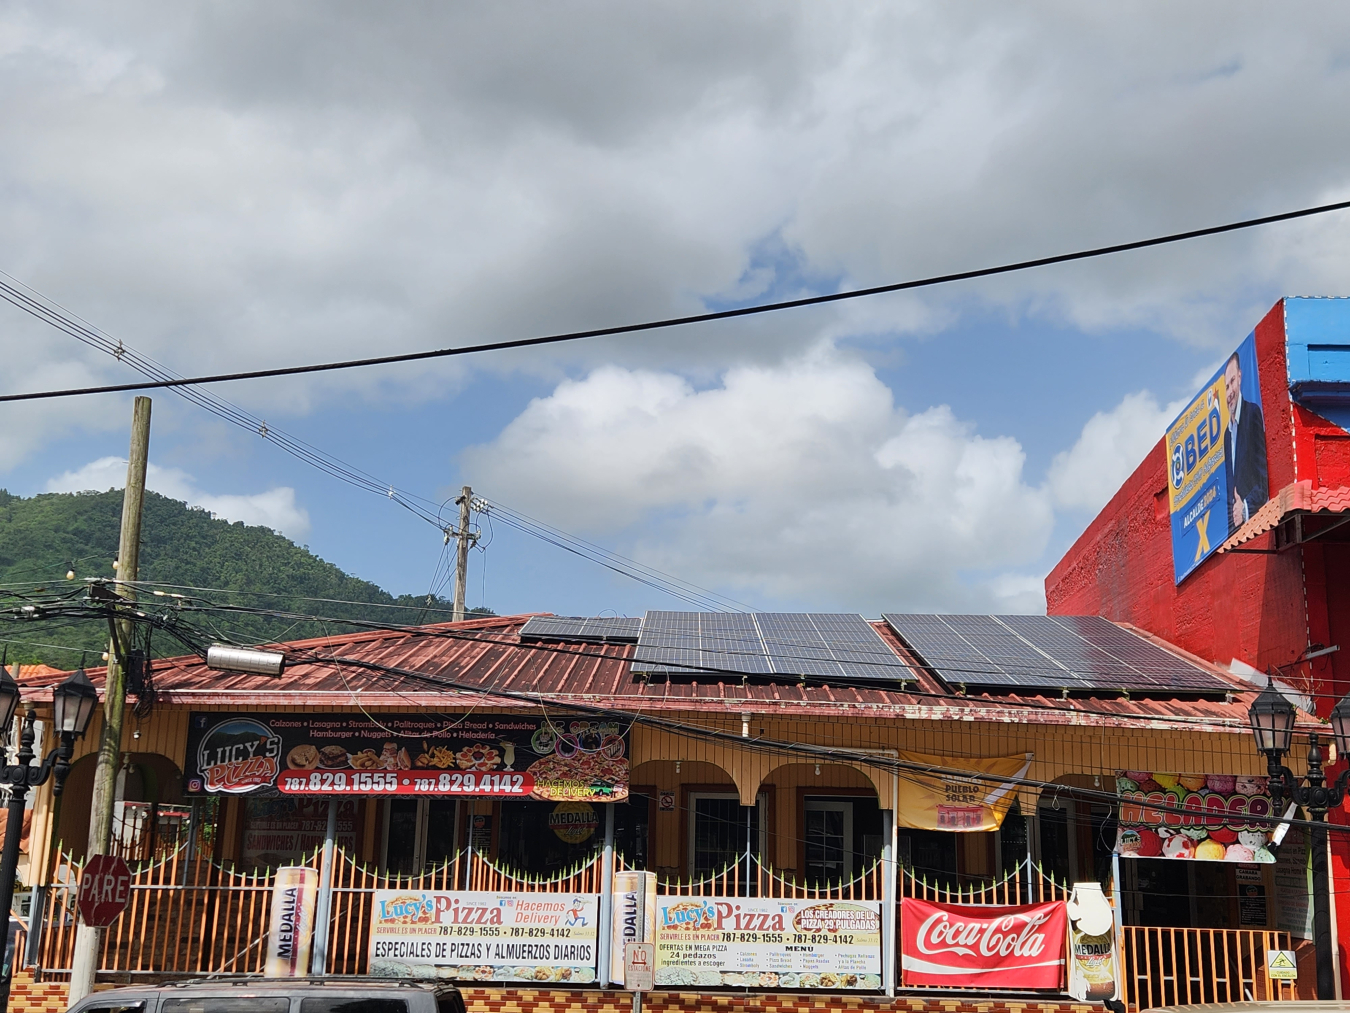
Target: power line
pixel 697 318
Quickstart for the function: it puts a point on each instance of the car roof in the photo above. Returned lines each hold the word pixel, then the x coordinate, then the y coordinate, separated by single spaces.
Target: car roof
pixel 279 986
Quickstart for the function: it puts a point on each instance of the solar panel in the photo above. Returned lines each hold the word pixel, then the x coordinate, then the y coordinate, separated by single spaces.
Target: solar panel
pixel 828 645
pixel 597 629
pixel 765 645
pixel 1077 653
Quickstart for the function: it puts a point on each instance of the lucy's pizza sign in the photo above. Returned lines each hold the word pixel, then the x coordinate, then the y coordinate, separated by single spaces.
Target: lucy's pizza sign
pixel 477 755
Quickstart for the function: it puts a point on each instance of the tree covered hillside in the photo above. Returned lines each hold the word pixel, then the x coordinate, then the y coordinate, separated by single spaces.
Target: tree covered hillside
pixel 43 537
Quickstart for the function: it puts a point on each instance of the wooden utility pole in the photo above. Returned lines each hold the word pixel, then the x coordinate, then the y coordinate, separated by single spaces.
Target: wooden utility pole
pixel 89 940
pixel 465 538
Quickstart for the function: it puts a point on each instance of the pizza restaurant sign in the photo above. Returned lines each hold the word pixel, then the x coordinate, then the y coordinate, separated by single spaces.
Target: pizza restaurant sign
pixel 473 755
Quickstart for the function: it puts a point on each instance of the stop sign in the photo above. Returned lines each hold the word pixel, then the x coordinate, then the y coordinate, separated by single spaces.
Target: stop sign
pixel 105 888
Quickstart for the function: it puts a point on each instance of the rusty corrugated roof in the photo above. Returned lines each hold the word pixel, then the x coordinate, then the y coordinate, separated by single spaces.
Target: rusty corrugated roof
pixel 487 654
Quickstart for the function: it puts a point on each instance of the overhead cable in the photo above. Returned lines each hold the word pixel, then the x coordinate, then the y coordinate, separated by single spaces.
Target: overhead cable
pixel 696 318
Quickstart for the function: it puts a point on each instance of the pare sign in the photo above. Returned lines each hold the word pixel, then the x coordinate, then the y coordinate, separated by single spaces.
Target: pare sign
pixel 105 889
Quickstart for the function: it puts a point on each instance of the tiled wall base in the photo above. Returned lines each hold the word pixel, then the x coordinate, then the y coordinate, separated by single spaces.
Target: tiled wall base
pixel 50 997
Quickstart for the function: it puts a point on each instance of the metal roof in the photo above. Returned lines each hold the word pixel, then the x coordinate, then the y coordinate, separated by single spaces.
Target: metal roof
pixel 488 654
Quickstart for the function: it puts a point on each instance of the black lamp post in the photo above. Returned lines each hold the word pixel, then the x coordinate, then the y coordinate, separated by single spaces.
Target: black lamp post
pixel 1272 718
pixel 73 704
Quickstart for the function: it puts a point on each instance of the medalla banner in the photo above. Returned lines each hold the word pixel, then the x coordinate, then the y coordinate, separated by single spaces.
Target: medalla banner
pixel 504 755
pixel 1216 454
pixel 768 943
pixel 291 930
pixel 987 947
pixel 951 800
pixel 1222 817
pixel 480 936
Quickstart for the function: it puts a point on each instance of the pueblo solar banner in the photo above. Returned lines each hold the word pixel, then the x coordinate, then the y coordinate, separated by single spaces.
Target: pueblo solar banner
pixel 983 947
pixel 951 800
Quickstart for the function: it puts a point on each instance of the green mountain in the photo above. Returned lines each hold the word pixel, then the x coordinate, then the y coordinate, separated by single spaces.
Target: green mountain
pixel 44 537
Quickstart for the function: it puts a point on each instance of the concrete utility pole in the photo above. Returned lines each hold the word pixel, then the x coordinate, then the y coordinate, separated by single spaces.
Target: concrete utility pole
pixel 89 940
pixel 466 539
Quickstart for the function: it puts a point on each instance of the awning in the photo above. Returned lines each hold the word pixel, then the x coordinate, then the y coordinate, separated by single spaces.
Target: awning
pixel 1292 504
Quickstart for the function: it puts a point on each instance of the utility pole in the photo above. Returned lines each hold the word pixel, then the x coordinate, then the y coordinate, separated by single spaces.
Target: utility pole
pixel 465 538
pixel 89 940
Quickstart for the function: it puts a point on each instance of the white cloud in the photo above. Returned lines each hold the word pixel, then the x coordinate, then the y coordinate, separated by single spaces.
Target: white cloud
pixel 802 482
pixel 1111 445
pixel 276 508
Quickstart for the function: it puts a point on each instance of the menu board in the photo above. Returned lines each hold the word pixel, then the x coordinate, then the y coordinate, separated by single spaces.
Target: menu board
pixel 768 943
pixel 472 755
pixel 478 936
pixel 284 831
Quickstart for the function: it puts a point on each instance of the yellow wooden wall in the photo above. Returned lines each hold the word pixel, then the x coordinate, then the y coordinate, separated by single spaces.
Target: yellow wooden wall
pixel 1058 750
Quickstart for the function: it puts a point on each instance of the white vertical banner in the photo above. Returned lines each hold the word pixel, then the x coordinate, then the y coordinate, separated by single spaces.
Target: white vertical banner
pixel 291 936
pixel 633 918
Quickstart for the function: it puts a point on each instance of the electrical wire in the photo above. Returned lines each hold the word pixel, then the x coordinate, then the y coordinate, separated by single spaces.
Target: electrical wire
pixel 681 321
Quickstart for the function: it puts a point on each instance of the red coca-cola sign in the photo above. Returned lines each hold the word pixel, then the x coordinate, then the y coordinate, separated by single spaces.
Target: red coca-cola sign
pixel 985 947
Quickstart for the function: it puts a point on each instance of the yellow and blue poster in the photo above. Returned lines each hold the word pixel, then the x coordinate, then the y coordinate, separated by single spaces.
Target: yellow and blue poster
pixel 1216 454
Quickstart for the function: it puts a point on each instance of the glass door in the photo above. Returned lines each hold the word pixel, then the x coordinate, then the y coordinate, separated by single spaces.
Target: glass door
pixel 720 829
pixel 829 841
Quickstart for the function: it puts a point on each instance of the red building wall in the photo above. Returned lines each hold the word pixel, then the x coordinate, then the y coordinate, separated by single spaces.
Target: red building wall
pixel 1261 609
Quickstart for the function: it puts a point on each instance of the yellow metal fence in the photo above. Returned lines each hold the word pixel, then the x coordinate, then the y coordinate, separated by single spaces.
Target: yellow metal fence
pixel 193 917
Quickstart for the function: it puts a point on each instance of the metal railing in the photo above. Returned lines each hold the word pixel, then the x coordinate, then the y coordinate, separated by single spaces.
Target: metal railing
pixel 193 917
pixel 1175 966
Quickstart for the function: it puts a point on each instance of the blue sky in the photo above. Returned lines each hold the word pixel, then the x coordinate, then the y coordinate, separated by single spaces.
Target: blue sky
pixel 235 188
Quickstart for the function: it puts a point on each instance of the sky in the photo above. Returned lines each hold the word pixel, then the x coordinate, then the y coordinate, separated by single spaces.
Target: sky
pixel 234 187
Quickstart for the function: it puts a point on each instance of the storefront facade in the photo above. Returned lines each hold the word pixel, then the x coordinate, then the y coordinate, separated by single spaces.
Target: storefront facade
pixel 570 768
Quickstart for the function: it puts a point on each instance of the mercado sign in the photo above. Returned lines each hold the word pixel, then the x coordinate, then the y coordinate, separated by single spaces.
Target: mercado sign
pixel 768 943
pixel 478 936
pixel 1210 817
pixel 1216 453
pixel 988 947
pixel 949 800
pixel 497 755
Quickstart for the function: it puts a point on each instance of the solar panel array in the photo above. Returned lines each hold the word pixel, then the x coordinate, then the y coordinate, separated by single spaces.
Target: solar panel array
pixel 1077 653
pixel 599 630
pixel 765 645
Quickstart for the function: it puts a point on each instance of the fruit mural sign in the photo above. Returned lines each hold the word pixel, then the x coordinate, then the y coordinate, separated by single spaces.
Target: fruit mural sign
pixel 1204 817
pixel 474 755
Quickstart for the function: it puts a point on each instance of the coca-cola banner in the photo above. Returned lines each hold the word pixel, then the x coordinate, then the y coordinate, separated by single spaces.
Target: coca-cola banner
pixel 1209 817
pixel 984 947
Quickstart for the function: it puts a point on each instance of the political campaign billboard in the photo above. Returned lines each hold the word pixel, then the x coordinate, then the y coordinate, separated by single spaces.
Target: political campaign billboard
pixel 1216 461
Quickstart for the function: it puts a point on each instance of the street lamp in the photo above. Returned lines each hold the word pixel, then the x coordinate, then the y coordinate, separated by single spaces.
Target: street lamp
pixel 73 704
pixel 1272 718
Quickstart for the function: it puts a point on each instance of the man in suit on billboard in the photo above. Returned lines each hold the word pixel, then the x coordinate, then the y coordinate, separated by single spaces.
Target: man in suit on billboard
pixel 1244 449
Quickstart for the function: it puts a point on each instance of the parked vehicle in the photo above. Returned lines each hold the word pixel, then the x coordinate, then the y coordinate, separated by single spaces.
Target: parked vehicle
pixel 279 995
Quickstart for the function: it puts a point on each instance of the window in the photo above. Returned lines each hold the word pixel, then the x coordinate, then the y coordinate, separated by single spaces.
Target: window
pixel 841 837
pixel 227 1004
pixel 347 1004
pixel 419 833
pixel 829 841
pixel 134 1007
pixel 720 829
